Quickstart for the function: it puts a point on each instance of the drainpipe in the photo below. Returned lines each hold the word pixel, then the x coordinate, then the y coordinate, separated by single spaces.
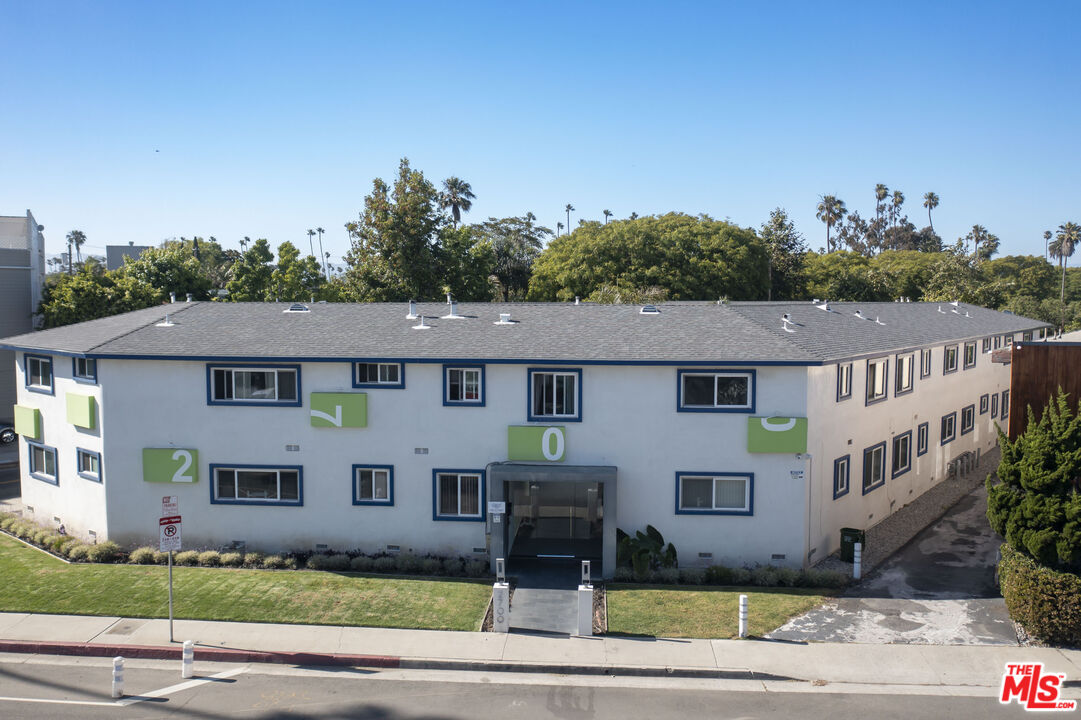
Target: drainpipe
pixel 810 475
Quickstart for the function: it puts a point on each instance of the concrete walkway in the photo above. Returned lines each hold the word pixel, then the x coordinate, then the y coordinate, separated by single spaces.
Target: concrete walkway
pixel 969 669
pixel 546 596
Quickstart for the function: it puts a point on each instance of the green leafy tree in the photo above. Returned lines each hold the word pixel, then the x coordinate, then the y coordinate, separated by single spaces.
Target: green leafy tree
pixel 691 258
pixel 295 279
pixel 844 275
pixel 516 242
pixel 1037 505
pixel 466 263
pixel 170 269
pixel 251 281
pixel 457 196
pixel 89 294
pixel 1021 275
pixel 831 211
pixel 394 243
pixel 905 272
pixel 786 249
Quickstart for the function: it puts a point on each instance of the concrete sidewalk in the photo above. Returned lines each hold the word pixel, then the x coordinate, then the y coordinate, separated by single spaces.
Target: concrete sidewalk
pixel 832 663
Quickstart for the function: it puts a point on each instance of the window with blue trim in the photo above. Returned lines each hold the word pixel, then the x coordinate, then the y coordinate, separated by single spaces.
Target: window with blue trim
pixel 458 494
pixel 970 355
pixel 922 433
pixel 463 386
pixel 39 373
pixel 841 473
pixel 88 463
pixel 84 369
pixel 925 363
pixel 1005 404
pixel 43 462
pixel 984 403
pixel 373 484
pixel 844 381
pixel 877 372
pixel 985 345
pixel 555 394
pixel 903 374
pixel 968 419
pixel 716 391
pixel 949 428
pixel 715 493
pixel 902 454
pixel 253 385
pixel 994 406
pixel 256 484
pixel 874 467
pixel 378 375
pixel 949 360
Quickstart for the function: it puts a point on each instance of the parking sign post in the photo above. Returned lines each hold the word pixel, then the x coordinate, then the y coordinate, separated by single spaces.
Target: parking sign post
pixel 168 541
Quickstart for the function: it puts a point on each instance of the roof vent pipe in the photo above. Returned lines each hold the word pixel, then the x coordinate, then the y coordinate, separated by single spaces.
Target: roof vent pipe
pixel 412 310
pixel 504 319
pixel 453 314
pixel 421 325
pixel 449 300
pixel 858 314
pixel 576 301
pixel 172 297
pixel 189 297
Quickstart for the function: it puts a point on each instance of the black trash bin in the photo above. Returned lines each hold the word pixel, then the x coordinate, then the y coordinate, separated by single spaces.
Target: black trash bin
pixel 849 538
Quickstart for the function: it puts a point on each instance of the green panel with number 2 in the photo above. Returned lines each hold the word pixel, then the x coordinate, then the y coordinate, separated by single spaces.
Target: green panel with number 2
pixel 170 465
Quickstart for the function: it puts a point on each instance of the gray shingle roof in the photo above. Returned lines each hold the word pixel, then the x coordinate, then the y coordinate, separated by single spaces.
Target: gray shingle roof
pixel 682 332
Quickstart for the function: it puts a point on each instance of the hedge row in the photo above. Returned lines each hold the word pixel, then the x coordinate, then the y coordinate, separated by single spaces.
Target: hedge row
pixel 1046 602
pixel 762 576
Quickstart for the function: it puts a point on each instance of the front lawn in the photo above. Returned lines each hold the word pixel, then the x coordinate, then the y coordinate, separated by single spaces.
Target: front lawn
pixel 704 612
pixel 31 581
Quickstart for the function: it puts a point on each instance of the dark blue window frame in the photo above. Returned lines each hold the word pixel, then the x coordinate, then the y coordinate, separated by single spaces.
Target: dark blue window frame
pixel 894 472
pixel 86 379
pixel 923 438
pixel 743 513
pixel 101 471
pixel 897 373
pixel 844 395
pixel 994 405
pixel 577 417
pixel 985 401
pixel 1005 407
pixel 885 386
pixel 436 472
pixel 971 410
pixel 465 403
pixel 299 502
pixel 211 367
pixel 946 359
pixel 30 445
pixel 51 390
pixel 925 363
pixel 964 360
pixel 847 460
pixel 863 474
pixel 400 385
pixel 389 502
pixel 943 438
pixel 752 389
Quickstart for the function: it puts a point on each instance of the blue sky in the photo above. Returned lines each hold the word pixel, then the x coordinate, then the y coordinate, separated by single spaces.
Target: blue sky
pixel 139 121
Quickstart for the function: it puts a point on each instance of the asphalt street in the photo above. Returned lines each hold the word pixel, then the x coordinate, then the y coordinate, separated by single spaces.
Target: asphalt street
pixel 80 688
pixel 9 482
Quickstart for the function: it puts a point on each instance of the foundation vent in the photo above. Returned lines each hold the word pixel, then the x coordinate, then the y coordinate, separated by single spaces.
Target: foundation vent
pixel 394 548
pixel 777 556
pixel 292 448
pixel 321 546
pixel 480 551
pixel 705 556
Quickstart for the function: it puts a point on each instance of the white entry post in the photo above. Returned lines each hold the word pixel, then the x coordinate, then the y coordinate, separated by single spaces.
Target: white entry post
pixel 857 560
pixel 500 598
pixel 585 602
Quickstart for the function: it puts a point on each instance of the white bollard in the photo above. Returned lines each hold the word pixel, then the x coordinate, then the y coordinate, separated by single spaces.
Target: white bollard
pixel 585 610
pixel 743 616
pixel 118 677
pixel 187 659
pixel 857 557
pixel 501 607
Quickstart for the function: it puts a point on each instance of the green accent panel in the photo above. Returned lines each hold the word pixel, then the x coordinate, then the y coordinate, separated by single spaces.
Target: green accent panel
pixel 776 435
pixel 339 410
pixel 81 410
pixel 170 465
pixel 28 422
pixel 537 443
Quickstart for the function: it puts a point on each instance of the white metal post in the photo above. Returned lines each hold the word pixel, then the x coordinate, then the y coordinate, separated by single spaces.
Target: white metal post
pixel 118 677
pixel 501 599
pixel 171 596
pixel 187 659
pixel 857 558
pixel 585 602
pixel 743 616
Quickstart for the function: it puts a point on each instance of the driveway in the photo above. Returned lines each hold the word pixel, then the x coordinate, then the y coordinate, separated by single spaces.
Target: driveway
pixel 939 589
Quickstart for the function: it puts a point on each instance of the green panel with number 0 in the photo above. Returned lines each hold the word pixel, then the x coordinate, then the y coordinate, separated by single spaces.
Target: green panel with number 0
pixel 170 465
pixel 536 443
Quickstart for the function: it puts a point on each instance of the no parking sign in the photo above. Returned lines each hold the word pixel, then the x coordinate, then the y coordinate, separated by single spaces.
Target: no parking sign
pixel 169 533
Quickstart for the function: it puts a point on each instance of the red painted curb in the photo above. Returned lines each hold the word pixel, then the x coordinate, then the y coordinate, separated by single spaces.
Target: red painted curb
pixel 158 652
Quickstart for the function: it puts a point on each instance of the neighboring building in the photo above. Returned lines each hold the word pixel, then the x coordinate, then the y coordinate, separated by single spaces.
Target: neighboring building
pixel 115 254
pixel 1038 370
pixel 745 432
pixel 22 277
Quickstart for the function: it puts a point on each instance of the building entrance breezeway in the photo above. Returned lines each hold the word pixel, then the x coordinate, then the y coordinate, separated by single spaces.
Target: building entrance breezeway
pixel 557 520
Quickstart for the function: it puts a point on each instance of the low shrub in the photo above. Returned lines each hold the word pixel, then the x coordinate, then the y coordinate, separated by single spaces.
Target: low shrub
pixel 231 559
pixel 25 530
pixel 105 552
pixel 187 557
pixel 385 564
pixel 408 564
pixel 290 563
pixel 61 542
pixel 432 566
pixel 143 556
pixel 361 563
pixel 718 575
pixel 692 576
pixel 666 576
pixel 624 574
pixel 765 576
pixel 8 522
pixel 273 562
pixel 823 579
pixel 1046 602
pixel 161 558
pixel 741 576
pixel 78 552
pixel 335 562
pixel 210 558
pixel 476 568
pixel 253 560
pixel 453 567
pixel 788 577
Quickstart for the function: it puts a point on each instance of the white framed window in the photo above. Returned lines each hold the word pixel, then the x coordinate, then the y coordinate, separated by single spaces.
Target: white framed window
pixel 257 484
pixel 902 454
pixel 458 494
pixel 970 355
pixel 921 438
pixel 253 385
pixel 968 419
pixel 716 391
pixel 985 345
pixel 841 473
pixel 373 485
pixel 997 341
pixel 904 374
pixel 984 403
pixel 463 385
pixel 378 374
pixel 844 381
pixel 43 462
pixel 555 394
pixel 84 369
pixel 1005 404
pixel 949 360
pixel 715 493
pixel 877 370
pixel 88 464
pixel 949 428
pixel 925 363
pixel 39 373
pixel 874 467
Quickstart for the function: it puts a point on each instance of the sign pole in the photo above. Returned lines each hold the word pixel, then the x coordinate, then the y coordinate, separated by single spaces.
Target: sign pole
pixel 171 596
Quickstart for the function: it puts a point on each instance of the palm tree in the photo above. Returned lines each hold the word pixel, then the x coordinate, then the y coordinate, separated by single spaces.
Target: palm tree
pixel 831 211
pixel 311 247
pixel 1066 240
pixel 321 231
pixel 244 243
pixel 898 201
pixel 559 228
pixel 930 201
pixel 458 196
pixel 76 238
pixel 569 208
pixel 326 265
pixel 1046 242
pixel 607 214
pixel 881 193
